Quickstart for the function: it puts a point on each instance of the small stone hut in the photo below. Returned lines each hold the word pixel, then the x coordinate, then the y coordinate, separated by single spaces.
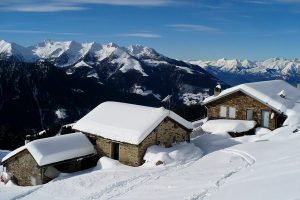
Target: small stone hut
pixel 42 160
pixel 124 131
pixel 265 102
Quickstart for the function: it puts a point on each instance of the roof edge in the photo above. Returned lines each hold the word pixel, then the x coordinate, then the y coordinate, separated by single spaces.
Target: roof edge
pixel 247 93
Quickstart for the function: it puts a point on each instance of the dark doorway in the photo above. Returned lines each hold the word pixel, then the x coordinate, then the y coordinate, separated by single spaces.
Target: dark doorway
pixel 280 120
pixel 115 151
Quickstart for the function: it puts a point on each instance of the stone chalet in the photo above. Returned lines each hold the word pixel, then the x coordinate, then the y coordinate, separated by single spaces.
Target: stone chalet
pixel 124 131
pixel 42 160
pixel 265 102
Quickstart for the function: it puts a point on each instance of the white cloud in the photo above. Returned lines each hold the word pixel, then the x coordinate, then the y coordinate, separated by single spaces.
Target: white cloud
pixel 72 5
pixel 193 27
pixel 270 2
pixel 125 2
pixel 45 8
pixel 36 32
pixel 141 34
pixel 258 2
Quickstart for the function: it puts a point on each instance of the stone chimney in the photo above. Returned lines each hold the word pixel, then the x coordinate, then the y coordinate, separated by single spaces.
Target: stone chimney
pixel 27 139
pixel 217 90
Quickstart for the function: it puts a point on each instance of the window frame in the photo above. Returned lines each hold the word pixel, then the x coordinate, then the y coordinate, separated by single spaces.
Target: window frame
pixel 220 112
pixel 248 109
pixel 230 108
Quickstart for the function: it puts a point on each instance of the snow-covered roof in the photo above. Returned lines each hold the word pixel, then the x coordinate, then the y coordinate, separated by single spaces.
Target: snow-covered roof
pixel 55 149
pixel 224 125
pixel 125 122
pixel 267 93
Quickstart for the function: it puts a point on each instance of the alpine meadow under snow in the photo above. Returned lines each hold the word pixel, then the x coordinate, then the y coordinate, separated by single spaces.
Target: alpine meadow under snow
pixel 262 166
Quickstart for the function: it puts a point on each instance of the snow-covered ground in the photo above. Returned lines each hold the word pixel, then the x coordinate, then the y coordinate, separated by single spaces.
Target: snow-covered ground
pixel 262 166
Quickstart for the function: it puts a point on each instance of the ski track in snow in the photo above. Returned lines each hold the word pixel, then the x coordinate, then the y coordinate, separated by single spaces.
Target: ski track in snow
pixel 247 158
pixel 26 193
pixel 122 187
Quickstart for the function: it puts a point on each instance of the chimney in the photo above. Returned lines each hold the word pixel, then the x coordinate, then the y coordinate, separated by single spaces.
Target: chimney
pixel 217 90
pixel 27 139
pixel 282 94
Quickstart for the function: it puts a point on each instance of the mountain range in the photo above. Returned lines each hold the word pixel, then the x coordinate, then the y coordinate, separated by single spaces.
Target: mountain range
pixel 234 71
pixel 134 69
pixel 58 82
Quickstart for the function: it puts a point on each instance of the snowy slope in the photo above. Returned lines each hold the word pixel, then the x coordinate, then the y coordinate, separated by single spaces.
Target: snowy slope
pixel 264 166
pixel 235 71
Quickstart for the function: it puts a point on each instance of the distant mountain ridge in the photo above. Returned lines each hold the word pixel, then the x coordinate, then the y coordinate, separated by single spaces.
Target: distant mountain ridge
pixel 133 69
pixel 233 71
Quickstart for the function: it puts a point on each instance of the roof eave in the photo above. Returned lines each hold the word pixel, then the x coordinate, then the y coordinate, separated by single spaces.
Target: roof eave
pixel 68 160
pixel 247 93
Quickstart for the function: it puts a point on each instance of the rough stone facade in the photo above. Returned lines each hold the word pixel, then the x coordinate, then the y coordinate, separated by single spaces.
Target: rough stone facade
pixel 24 169
pixel 241 102
pixel 166 133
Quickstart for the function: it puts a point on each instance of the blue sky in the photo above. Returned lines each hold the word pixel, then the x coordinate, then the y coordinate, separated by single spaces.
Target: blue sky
pixel 187 29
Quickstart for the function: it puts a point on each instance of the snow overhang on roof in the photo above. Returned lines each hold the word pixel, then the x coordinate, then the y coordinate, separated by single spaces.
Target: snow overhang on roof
pixel 265 92
pixel 124 122
pixel 56 149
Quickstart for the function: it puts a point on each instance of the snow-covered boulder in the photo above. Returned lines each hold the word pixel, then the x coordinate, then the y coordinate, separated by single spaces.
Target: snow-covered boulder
pixel 179 153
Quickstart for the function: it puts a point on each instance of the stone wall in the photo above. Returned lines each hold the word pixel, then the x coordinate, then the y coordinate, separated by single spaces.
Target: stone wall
pixel 24 169
pixel 166 133
pixel 129 154
pixel 104 147
pixel 241 102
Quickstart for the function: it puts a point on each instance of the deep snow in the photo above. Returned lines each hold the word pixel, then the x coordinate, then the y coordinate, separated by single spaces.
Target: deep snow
pixel 224 125
pixel 262 166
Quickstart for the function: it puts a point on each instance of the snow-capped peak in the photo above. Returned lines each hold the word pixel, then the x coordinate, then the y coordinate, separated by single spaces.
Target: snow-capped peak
pixel 140 51
pixel 12 49
pixel 246 70
pixel 50 48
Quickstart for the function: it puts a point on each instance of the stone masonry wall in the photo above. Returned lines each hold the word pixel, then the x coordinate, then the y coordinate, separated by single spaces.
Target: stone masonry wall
pixel 24 169
pixel 103 147
pixel 129 154
pixel 241 102
pixel 166 133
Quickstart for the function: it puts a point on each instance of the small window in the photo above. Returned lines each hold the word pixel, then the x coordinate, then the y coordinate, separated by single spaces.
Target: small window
pixel 223 111
pixel 232 112
pixel 249 114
